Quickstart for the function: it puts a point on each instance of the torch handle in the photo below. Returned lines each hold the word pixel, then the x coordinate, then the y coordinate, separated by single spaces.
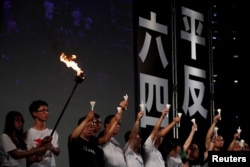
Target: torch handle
pixel 64 108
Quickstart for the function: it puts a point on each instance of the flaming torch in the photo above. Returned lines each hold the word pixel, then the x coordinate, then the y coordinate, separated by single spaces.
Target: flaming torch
pixel 80 76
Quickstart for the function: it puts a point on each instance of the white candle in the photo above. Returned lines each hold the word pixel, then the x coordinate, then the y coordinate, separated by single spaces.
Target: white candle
pixel 142 106
pixel 239 131
pixel 179 115
pixel 168 106
pixel 92 103
pixel 193 120
pixel 125 97
pixel 119 109
pixel 216 131
pixel 219 111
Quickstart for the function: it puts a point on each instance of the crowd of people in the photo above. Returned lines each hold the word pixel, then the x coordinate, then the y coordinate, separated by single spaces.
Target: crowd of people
pixel 93 143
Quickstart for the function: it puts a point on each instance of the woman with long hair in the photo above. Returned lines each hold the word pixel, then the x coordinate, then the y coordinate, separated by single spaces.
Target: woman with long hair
pixel 12 142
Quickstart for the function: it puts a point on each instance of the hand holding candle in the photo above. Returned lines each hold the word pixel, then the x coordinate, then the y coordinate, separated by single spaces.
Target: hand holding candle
pixel 242 143
pixel 125 97
pixel 193 120
pixel 92 103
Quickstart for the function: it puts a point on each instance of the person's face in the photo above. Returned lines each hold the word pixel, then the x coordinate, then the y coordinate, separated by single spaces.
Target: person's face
pixel 158 139
pixel 117 128
pixel 88 129
pixel 178 149
pixel 97 125
pixel 219 142
pixel 42 113
pixel 237 147
pixel 194 151
pixel 18 123
pixel 138 140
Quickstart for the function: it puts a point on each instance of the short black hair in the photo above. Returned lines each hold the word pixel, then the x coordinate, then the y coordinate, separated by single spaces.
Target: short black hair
pixel 35 105
pixel 108 119
pixel 173 143
pixel 81 119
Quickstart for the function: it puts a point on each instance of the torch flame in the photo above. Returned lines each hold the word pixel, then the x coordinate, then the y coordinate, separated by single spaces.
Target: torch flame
pixel 69 61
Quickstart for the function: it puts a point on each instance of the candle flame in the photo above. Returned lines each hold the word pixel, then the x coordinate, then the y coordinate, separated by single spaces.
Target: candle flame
pixel 70 62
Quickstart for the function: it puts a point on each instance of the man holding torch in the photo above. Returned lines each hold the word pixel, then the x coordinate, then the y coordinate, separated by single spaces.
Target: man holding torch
pixel 39 134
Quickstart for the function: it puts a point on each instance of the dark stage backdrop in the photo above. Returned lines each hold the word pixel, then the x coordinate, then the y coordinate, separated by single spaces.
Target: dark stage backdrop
pixel 31 44
pixel 33 34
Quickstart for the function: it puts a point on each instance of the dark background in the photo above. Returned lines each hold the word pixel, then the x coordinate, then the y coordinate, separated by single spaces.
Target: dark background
pixel 30 47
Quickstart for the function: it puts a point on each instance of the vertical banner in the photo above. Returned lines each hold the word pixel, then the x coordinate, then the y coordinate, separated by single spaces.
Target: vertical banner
pixel 154 60
pixel 193 67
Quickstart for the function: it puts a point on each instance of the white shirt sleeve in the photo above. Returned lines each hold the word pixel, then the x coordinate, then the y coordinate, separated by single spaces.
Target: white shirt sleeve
pixel 8 145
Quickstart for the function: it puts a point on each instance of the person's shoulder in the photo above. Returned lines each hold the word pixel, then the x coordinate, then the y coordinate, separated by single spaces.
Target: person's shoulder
pixel 30 129
pixel 4 136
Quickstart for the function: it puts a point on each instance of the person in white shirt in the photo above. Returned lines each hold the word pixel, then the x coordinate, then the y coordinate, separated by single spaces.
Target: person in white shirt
pixel 133 144
pixel 12 144
pixel 113 153
pixel 39 134
pixel 152 155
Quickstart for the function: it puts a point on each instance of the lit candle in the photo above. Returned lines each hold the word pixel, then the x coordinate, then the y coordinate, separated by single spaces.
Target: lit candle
pixel 119 109
pixel 239 131
pixel 168 106
pixel 193 120
pixel 216 131
pixel 179 115
pixel 142 106
pixel 125 97
pixel 219 112
pixel 92 103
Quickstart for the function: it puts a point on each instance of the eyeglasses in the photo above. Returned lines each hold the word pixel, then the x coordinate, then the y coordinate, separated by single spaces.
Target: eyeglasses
pixel 43 110
pixel 97 122
pixel 89 127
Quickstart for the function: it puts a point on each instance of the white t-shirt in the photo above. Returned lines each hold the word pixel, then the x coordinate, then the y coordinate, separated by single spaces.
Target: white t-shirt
pixel 133 159
pixel 34 138
pixel 153 156
pixel 7 145
pixel 113 154
pixel 174 161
